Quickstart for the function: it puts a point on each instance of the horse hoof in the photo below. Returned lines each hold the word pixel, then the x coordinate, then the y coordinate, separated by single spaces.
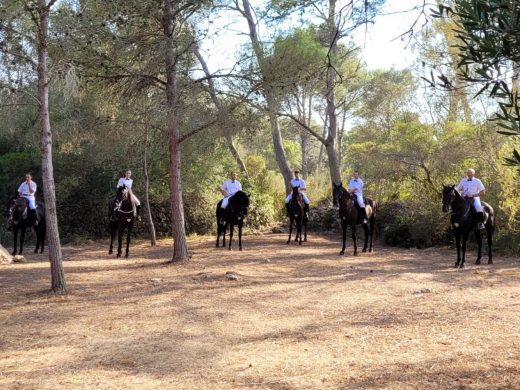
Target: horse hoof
pixel 229 248
pixel 477 262
pixel 456 265
pixel 119 255
pixel 300 243
pixel 461 266
pixel 490 262
pixel 355 254
pixel 370 250
pixel 341 253
pixel 288 242
pixel 364 251
pixel 240 248
pixel 110 252
pixel 126 256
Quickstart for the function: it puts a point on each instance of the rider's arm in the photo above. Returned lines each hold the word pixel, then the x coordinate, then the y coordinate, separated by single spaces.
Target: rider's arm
pixel 223 190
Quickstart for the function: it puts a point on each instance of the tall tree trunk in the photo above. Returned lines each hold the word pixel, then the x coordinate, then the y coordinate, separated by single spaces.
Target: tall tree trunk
pixel 335 173
pixel 180 246
pixel 272 103
pixel 53 236
pixel 147 211
pixel 223 113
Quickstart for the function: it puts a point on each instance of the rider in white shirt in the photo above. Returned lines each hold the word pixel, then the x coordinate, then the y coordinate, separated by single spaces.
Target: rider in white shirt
pixel 297 182
pixel 127 181
pixel 230 188
pixel 355 185
pixel 472 188
pixel 27 190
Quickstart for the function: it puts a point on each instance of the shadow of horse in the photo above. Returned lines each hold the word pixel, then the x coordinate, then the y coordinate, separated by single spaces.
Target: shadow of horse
pixel 19 220
pixel 464 221
pixel 233 214
pixel 122 215
pixel 349 216
pixel 297 215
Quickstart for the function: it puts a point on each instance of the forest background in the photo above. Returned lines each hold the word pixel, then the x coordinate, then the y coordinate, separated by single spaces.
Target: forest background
pixel 298 95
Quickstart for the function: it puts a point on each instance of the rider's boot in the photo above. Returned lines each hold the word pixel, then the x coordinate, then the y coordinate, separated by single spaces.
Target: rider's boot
pixel 480 221
pixel 33 216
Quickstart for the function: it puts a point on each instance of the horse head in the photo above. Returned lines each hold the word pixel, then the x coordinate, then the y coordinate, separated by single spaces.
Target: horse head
pixel 339 194
pixel 449 194
pixel 239 203
pixel 18 210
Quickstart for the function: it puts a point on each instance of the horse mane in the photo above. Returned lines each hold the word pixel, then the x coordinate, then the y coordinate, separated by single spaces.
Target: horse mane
pixel 240 197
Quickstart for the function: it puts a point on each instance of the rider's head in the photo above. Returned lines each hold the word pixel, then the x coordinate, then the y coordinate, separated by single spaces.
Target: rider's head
pixel 128 173
pixel 296 174
pixel 470 173
pixel 28 177
pixel 233 176
pixel 355 175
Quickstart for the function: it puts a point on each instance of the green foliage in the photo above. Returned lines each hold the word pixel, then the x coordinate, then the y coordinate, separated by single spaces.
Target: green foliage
pixel 488 34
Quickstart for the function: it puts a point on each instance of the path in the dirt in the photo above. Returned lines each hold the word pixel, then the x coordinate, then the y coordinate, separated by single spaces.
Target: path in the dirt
pixel 296 318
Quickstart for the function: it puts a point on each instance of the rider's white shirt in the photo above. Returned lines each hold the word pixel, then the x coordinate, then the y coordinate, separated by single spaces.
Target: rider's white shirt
pixel 353 183
pixel 24 189
pixel 231 187
pixel 298 183
pixel 125 182
pixel 470 187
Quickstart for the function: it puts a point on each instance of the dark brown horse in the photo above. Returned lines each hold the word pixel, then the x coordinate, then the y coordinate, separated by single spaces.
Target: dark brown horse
pixel 234 214
pixel 297 215
pixel 464 221
pixel 20 219
pixel 350 216
pixel 122 216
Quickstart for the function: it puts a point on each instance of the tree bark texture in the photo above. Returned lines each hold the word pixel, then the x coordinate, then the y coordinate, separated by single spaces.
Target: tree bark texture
pixel 180 246
pixel 58 285
pixel 147 211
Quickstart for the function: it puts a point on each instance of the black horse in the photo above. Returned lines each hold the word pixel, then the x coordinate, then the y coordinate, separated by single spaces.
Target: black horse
pixel 122 214
pixel 350 216
pixel 233 214
pixel 464 221
pixel 20 219
pixel 297 215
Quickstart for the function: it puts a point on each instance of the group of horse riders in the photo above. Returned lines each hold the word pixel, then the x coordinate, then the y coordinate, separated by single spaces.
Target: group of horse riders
pixel 470 187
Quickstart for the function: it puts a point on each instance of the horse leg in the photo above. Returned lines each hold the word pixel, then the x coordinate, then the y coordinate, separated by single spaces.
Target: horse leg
pixel 240 224
pixel 128 237
pixel 231 226
pixel 15 239
pixel 37 232
pixel 478 238
pixel 299 230
pixel 43 230
pixel 365 229
pixel 219 230
pixel 463 250
pixel 224 235
pixel 22 239
pixel 344 235
pixel 120 229
pixel 290 230
pixel 371 232
pixel 112 236
pixel 489 231
pixel 457 244
pixel 305 229
pixel 354 238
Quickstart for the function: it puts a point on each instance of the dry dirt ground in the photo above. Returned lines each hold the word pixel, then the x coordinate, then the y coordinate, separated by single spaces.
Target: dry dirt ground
pixel 296 318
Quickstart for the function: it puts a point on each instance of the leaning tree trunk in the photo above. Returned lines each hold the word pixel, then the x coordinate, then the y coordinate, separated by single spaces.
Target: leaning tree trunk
pixel 272 104
pixel 180 246
pixel 53 237
pixel 224 115
pixel 147 211
pixel 330 147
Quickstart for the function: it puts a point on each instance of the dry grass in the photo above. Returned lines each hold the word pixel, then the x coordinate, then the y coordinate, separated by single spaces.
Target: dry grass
pixel 297 318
